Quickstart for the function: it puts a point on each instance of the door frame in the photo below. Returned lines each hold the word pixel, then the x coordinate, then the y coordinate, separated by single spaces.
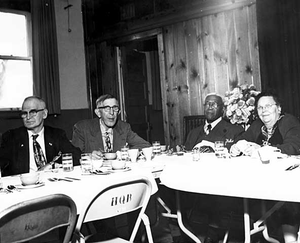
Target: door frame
pixel 141 36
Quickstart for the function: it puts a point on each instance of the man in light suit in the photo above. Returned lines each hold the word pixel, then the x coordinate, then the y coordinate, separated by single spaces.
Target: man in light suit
pixel 215 127
pixel 90 135
pixel 17 152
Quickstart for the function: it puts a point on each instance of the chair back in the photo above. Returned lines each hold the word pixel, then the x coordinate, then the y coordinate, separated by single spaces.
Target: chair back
pixel 191 122
pixel 30 219
pixel 122 197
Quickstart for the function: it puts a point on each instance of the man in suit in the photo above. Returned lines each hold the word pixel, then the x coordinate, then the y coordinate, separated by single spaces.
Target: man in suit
pixel 33 146
pixel 106 132
pixel 215 127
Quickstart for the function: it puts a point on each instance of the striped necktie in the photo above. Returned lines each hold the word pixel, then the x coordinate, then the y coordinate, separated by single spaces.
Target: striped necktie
pixel 107 142
pixel 38 153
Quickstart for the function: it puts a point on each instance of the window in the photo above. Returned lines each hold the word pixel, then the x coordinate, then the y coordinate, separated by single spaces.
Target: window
pixel 16 81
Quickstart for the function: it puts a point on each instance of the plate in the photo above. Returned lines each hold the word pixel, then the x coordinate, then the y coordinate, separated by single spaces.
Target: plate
pixel 121 170
pixel 30 186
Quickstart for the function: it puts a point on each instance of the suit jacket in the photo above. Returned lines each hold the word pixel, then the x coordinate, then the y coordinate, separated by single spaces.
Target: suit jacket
pixel 223 131
pixel 14 152
pixel 87 136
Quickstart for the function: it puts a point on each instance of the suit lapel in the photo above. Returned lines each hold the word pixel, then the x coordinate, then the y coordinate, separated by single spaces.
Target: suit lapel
pixel 97 134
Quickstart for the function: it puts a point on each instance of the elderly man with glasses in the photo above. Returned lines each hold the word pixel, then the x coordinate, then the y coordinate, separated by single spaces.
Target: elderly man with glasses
pixel 33 146
pixel 106 133
pixel 215 128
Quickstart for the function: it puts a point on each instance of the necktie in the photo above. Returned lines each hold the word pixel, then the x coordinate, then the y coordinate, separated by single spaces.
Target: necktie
pixel 38 153
pixel 208 130
pixel 108 142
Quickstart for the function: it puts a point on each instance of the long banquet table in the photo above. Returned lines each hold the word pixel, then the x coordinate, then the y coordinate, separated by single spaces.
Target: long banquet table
pixel 242 177
pixel 81 191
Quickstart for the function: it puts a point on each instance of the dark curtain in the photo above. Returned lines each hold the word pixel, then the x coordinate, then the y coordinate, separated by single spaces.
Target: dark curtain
pixel 45 54
pixel 278 23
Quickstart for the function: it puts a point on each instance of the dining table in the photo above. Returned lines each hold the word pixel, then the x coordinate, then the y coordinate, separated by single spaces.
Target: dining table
pixel 80 187
pixel 243 177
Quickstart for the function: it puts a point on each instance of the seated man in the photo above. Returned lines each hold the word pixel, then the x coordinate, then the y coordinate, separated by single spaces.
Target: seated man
pixel 106 133
pixel 215 128
pixel 33 146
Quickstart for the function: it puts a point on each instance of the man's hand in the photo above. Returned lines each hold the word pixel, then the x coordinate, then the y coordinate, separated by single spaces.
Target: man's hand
pixel 96 154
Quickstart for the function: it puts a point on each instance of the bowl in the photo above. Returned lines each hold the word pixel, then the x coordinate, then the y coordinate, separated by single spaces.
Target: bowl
pixel 28 179
pixel 110 156
pixel 118 164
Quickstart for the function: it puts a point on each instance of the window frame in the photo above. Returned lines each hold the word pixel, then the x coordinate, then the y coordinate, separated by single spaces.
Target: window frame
pixel 14 112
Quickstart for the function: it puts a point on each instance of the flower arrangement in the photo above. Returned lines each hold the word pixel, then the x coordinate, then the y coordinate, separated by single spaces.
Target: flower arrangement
pixel 239 104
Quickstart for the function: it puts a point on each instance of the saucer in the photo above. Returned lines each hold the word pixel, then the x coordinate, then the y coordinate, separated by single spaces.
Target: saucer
pixel 119 170
pixel 39 184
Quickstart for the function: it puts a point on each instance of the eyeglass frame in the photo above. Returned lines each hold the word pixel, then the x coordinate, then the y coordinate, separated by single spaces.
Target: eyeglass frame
pixel 108 108
pixel 30 114
pixel 212 104
pixel 266 107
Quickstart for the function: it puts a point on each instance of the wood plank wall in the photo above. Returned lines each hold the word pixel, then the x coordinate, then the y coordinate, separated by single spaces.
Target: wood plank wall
pixel 209 54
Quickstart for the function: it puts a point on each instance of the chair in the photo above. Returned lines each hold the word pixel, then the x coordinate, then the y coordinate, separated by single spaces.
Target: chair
pixel 33 218
pixel 124 196
pixel 191 122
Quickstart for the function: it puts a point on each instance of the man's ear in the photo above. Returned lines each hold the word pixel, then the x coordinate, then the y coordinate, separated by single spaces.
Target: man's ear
pixel 45 113
pixel 97 112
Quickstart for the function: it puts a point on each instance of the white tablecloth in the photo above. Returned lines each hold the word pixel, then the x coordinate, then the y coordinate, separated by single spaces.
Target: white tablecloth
pixel 238 177
pixel 80 191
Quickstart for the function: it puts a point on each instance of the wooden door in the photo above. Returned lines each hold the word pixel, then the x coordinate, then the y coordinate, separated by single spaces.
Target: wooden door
pixel 135 90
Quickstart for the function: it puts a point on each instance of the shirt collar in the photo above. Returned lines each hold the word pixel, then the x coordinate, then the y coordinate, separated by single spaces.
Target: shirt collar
pixel 104 130
pixel 214 123
pixel 30 133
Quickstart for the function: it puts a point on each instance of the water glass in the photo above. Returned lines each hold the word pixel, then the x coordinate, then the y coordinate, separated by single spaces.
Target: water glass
pixel 220 150
pixel 124 153
pixel 196 154
pixel 67 162
pixel 156 147
pixel 86 163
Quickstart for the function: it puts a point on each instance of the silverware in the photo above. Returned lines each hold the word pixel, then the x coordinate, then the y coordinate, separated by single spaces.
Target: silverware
pixel 72 178
pixel 56 158
pixel 293 167
pixel 59 179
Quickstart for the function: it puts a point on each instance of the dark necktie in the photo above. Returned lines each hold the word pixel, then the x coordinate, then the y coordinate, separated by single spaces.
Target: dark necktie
pixel 208 128
pixel 108 142
pixel 38 153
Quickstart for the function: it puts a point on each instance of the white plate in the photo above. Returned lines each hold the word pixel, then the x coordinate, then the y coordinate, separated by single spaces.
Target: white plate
pixel 30 186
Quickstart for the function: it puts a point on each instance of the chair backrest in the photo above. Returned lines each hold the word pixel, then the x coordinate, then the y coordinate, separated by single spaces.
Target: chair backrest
pixel 30 219
pixel 191 122
pixel 122 197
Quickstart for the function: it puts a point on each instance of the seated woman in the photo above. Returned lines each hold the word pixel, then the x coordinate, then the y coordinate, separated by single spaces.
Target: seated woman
pixel 276 129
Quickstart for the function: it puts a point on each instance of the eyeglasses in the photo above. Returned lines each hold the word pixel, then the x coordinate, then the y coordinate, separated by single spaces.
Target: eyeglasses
pixel 30 114
pixel 266 107
pixel 213 105
pixel 108 108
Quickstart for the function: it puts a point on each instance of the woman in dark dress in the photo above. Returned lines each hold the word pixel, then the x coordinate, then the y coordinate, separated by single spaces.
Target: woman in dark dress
pixel 278 130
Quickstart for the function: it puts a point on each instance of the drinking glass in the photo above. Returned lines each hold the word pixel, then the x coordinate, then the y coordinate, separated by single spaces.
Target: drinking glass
pixel 220 150
pixel 124 153
pixel 86 163
pixel 67 162
pixel 133 153
pixel 156 147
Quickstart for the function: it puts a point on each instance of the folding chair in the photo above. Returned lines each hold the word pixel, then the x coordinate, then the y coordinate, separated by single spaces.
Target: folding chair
pixel 31 219
pixel 124 196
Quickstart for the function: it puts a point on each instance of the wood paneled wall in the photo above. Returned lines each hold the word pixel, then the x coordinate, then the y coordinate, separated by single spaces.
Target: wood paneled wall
pixel 209 54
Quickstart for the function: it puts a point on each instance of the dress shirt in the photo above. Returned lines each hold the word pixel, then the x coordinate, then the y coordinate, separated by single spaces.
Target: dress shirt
pixel 213 124
pixel 40 139
pixel 110 134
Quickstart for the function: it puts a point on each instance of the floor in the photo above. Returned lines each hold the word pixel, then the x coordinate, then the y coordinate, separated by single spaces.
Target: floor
pixel 166 230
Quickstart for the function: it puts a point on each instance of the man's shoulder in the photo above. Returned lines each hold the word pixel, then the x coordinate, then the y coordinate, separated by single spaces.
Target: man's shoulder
pixel 230 126
pixel 87 122
pixel 15 131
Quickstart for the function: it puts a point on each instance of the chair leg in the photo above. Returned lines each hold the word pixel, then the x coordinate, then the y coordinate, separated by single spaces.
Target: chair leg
pixel 147 226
